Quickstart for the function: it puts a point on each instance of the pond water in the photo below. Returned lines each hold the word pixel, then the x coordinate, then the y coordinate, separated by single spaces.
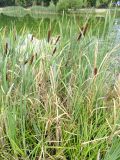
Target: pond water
pixel 40 26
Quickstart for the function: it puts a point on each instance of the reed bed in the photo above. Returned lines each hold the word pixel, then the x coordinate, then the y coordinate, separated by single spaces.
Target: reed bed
pixel 61 103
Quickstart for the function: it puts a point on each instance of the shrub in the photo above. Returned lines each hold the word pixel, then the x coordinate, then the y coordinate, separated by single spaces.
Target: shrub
pixel 24 3
pixel 67 4
pixel 52 6
pixel 102 4
pixel 63 5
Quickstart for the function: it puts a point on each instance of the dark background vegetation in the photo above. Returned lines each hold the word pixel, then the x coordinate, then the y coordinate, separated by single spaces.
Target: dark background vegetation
pixel 70 3
pixel 25 3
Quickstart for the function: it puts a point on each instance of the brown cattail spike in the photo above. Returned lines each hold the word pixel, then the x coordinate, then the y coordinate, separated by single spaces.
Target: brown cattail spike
pixel 58 38
pixel 32 38
pixel 54 51
pixel 49 35
pixel 95 71
pixel 26 62
pixel 31 59
pixel 35 55
pixel 83 31
pixel 6 48
pixel 6 77
pixel 80 35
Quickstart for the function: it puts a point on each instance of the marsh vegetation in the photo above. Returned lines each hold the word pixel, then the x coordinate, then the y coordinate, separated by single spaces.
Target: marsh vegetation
pixel 61 100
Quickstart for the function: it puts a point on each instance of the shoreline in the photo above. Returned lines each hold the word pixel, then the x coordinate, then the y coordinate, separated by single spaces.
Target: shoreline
pixel 94 10
pixel 29 10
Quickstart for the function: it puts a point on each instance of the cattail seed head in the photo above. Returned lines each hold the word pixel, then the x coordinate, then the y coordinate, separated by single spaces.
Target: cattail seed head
pixel 32 38
pixel 49 35
pixel 58 38
pixel 95 71
pixel 31 60
pixel 83 31
pixel 54 51
pixel 6 48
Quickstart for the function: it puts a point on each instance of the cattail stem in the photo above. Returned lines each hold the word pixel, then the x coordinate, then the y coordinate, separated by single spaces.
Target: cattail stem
pixel 14 33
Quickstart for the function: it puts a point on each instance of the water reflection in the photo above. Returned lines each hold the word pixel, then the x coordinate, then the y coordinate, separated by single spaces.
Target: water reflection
pixel 40 26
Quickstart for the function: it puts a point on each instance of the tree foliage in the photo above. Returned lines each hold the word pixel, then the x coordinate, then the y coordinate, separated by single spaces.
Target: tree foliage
pixel 26 2
pixel 7 2
pixel 62 4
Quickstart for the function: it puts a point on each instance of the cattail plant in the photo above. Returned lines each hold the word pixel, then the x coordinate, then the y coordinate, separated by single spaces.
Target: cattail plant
pixel 95 60
pixel 32 59
pixel 83 31
pixel 6 48
pixel 95 71
pixel 7 77
pixel 26 61
pixel 49 36
pixel 54 51
pixel 57 40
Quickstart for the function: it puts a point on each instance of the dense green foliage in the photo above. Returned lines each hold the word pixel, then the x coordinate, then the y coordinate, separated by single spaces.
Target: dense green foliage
pixel 74 4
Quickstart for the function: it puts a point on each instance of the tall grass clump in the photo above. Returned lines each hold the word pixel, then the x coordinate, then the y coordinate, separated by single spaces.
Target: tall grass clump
pixel 62 101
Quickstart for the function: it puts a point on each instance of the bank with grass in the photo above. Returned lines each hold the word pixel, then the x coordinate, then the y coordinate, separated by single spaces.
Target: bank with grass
pixel 37 11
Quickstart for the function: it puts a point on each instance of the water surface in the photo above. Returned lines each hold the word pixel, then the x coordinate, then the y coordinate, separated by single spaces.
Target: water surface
pixel 40 26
